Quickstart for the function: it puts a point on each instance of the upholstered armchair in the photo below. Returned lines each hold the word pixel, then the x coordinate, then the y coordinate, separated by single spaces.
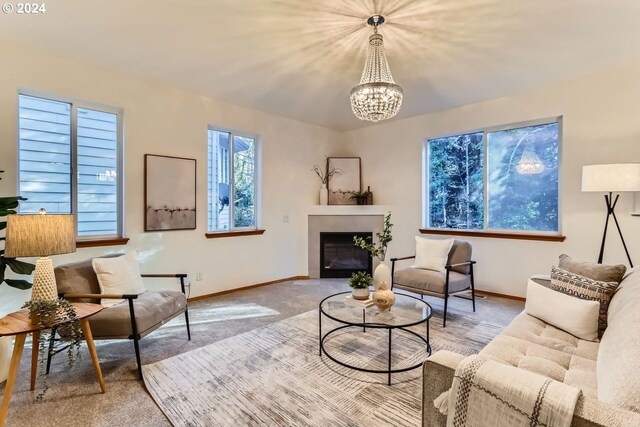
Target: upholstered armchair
pixel 133 319
pixel 456 278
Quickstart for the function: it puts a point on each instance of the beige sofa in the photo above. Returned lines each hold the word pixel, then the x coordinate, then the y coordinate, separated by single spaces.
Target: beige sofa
pixel 607 372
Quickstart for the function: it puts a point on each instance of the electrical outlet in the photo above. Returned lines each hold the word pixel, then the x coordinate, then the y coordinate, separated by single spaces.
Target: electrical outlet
pixel 199 276
pixel 285 219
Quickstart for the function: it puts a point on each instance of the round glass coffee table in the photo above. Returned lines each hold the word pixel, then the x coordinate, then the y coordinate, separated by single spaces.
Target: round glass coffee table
pixel 407 311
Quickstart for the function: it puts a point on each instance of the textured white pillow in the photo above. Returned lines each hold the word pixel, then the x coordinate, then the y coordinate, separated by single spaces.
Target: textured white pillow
pixel 577 316
pixel 432 254
pixel 119 275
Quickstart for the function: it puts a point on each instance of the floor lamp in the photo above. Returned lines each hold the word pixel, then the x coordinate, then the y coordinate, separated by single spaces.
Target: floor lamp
pixel 611 178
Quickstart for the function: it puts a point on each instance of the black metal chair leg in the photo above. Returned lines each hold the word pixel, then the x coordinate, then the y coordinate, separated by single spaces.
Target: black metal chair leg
pixel 52 340
pixel 135 336
pixel 473 289
pixel 186 317
pixel 444 320
pixel 137 348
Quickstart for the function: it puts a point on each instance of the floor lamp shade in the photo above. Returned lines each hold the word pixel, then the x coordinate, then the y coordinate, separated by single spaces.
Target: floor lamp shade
pixel 40 235
pixel 614 178
pixel 611 178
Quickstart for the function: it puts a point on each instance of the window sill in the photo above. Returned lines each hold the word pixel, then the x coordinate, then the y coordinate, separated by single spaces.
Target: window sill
pixel 102 242
pixel 219 234
pixel 497 235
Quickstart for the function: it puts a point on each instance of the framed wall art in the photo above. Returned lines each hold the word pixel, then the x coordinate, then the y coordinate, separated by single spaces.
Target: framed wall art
pixel 343 185
pixel 169 193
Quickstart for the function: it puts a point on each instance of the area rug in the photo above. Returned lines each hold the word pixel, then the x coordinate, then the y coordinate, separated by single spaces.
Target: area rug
pixel 273 376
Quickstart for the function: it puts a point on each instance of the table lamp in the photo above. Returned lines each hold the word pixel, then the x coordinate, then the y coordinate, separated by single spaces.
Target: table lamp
pixel 611 178
pixel 40 235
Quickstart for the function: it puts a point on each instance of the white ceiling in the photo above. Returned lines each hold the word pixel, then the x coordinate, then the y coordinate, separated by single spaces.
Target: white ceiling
pixel 300 58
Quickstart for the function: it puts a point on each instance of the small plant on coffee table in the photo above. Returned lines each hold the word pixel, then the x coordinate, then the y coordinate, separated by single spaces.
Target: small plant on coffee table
pixel 360 280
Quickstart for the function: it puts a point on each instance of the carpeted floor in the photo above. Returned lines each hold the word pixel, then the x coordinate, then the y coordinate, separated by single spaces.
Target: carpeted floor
pixel 74 400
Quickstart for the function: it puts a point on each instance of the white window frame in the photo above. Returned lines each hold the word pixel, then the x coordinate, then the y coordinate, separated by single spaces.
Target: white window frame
pixel 257 178
pixel 485 131
pixel 75 104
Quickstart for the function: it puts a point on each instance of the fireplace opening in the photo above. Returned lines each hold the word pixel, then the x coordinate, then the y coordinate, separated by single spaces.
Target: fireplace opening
pixel 339 257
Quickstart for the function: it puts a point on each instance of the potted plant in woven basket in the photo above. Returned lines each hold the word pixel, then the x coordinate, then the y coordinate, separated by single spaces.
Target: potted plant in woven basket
pixel 359 283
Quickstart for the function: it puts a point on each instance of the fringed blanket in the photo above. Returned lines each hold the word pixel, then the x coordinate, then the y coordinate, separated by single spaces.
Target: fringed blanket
pixel 489 393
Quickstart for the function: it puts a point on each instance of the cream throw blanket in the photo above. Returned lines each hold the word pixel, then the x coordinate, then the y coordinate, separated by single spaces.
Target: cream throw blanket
pixel 486 393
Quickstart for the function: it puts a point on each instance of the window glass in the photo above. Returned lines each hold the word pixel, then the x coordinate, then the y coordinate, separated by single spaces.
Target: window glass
pixel 243 182
pixel 522 185
pixel 456 182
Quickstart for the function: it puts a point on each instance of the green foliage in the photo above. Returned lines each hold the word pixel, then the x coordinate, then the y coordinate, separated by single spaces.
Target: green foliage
pixel 243 180
pixel 360 280
pixel 7 207
pixel 379 250
pixel 61 313
pixel 456 182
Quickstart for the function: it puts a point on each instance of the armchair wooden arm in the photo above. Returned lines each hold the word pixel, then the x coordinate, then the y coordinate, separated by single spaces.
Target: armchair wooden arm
pixel 101 296
pixel 459 264
pixel 180 276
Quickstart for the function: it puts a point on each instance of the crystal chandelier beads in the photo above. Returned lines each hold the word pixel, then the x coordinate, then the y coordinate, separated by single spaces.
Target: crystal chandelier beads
pixel 529 163
pixel 377 97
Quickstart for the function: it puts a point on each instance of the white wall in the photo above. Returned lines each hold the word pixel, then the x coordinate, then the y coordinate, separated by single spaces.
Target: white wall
pixel 162 120
pixel 601 124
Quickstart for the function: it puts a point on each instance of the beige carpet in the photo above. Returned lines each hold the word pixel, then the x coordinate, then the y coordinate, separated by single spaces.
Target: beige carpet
pixel 273 376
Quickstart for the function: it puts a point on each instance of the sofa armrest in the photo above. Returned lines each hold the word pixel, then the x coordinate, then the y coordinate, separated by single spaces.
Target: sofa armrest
pixel 590 412
pixel 437 376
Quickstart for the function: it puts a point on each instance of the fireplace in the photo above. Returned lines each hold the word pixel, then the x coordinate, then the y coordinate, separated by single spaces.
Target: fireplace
pixel 339 257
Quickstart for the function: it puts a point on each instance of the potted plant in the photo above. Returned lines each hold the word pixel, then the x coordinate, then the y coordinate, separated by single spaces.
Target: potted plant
pixel 362 197
pixel 324 176
pixel 7 207
pixel 360 282
pixel 61 313
pixel 382 272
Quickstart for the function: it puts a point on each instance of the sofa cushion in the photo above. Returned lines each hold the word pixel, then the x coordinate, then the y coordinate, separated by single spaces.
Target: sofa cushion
pixel 619 354
pixel 532 344
pixel 577 316
pixel 592 270
pixel 430 281
pixel 152 308
pixel 584 288
pixel 119 275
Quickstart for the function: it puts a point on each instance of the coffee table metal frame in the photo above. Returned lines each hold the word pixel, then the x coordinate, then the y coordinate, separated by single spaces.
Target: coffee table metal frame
pixel 364 325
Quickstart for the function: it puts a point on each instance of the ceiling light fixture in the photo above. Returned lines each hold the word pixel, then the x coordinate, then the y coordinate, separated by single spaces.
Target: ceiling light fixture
pixel 377 97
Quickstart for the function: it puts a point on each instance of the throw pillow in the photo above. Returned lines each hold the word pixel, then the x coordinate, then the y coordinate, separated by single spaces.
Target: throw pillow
pixel 576 316
pixel 119 275
pixel 585 288
pixel 432 254
pixel 592 270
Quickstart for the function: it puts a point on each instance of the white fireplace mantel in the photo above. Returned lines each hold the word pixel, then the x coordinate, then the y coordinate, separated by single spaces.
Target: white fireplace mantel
pixel 349 210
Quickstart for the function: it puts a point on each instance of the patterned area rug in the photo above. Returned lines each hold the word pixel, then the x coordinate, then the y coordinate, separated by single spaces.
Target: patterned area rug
pixel 273 376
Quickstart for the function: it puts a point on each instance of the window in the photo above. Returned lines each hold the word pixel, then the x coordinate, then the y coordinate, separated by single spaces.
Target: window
pixel 500 179
pixel 232 181
pixel 57 137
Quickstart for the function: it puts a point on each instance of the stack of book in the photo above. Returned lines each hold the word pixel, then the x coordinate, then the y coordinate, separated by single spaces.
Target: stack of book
pixel 366 303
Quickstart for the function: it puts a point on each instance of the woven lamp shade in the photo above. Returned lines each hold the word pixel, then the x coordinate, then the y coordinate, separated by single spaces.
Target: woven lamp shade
pixel 39 235
pixel 615 178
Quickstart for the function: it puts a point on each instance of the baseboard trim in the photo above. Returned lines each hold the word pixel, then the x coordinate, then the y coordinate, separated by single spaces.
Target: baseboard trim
pixel 499 295
pixel 244 288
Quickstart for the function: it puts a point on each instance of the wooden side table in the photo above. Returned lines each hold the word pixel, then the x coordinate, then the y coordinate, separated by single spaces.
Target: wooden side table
pixel 19 324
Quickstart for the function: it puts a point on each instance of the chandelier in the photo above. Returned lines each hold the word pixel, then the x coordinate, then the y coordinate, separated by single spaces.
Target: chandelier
pixel 529 163
pixel 377 97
